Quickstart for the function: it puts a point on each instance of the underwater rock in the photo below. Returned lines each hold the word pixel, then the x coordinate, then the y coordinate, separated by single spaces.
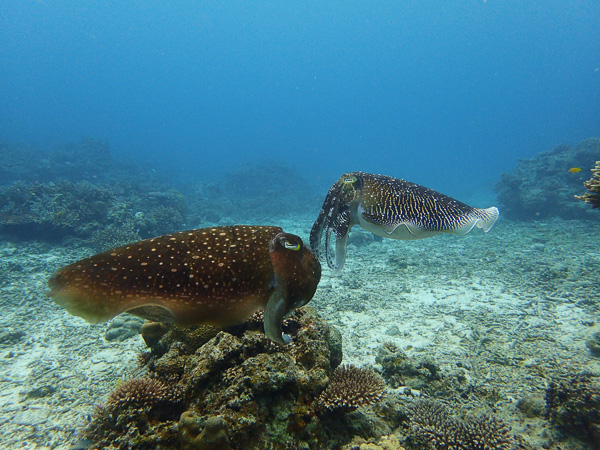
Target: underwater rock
pixel 400 370
pixel 213 435
pixel 9 337
pixel 573 405
pixel 103 214
pixel 390 442
pixel 123 327
pixel 238 389
pixel 152 332
pixel 593 344
pixel 532 406
pixel 190 339
pixel 546 185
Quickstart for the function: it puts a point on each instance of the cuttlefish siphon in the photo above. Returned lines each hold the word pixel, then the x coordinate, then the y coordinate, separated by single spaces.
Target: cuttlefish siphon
pixel 391 208
pixel 217 276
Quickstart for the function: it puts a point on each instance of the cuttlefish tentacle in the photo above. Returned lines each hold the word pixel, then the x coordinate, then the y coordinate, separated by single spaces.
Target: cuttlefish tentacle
pixel 218 276
pixel 335 217
pixel 392 208
pixel 323 222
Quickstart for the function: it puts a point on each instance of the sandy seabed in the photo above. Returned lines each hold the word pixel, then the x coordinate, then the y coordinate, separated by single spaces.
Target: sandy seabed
pixel 511 310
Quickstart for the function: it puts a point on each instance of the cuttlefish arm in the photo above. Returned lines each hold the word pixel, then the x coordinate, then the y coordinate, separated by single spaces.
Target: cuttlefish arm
pixel 395 209
pixel 296 275
pixel 337 216
pixel 217 276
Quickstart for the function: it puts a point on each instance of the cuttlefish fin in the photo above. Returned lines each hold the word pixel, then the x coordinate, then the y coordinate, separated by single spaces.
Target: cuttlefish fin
pixel 480 218
pixel 275 311
pixel 87 305
pixel 477 218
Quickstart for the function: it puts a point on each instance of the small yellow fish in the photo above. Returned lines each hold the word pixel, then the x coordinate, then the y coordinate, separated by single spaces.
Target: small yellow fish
pixel 575 169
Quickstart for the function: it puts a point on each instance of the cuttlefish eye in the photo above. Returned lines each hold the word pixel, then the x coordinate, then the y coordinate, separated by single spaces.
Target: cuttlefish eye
pixel 291 246
pixel 349 180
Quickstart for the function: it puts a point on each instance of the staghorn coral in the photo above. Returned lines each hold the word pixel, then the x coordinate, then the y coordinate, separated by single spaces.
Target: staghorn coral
pixel 432 426
pixel 351 387
pixel 593 186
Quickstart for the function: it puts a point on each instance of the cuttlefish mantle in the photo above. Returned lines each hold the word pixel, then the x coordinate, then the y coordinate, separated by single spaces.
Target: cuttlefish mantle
pixel 218 276
pixel 391 208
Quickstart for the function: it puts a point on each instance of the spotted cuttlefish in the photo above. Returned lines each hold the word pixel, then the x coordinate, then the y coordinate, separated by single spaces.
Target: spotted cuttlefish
pixel 218 276
pixel 391 208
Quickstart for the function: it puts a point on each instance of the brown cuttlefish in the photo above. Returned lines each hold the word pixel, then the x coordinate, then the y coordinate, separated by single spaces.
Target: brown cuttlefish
pixel 218 276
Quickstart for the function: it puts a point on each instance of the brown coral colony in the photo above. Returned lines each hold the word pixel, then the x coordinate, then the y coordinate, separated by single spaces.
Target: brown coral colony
pixel 351 387
pixel 593 186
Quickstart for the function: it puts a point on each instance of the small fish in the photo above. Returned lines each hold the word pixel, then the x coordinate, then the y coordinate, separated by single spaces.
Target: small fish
pixel 575 169
pixel 390 208
pixel 219 276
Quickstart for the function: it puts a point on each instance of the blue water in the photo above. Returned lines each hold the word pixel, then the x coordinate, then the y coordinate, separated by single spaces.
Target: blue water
pixel 448 94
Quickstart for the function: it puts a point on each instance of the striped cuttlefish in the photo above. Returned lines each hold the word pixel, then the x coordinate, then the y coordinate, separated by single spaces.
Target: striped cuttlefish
pixel 391 208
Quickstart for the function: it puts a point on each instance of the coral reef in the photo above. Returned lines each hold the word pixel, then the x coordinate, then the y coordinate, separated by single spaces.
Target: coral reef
pixel 351 387
pixel 544 186
pixel 82 160
pixel 105 215
pixel 432 426
pixel 573 405
pixel 593 186
pixel 80 191
pixel 240 390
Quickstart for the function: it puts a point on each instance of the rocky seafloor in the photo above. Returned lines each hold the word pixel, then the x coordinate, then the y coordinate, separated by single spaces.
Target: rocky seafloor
pixel 501 324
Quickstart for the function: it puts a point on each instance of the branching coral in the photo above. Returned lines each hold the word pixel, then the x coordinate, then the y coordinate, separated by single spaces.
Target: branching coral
pixel 351 387
pixel 432 426
pixel 137 393
pixel 593 186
